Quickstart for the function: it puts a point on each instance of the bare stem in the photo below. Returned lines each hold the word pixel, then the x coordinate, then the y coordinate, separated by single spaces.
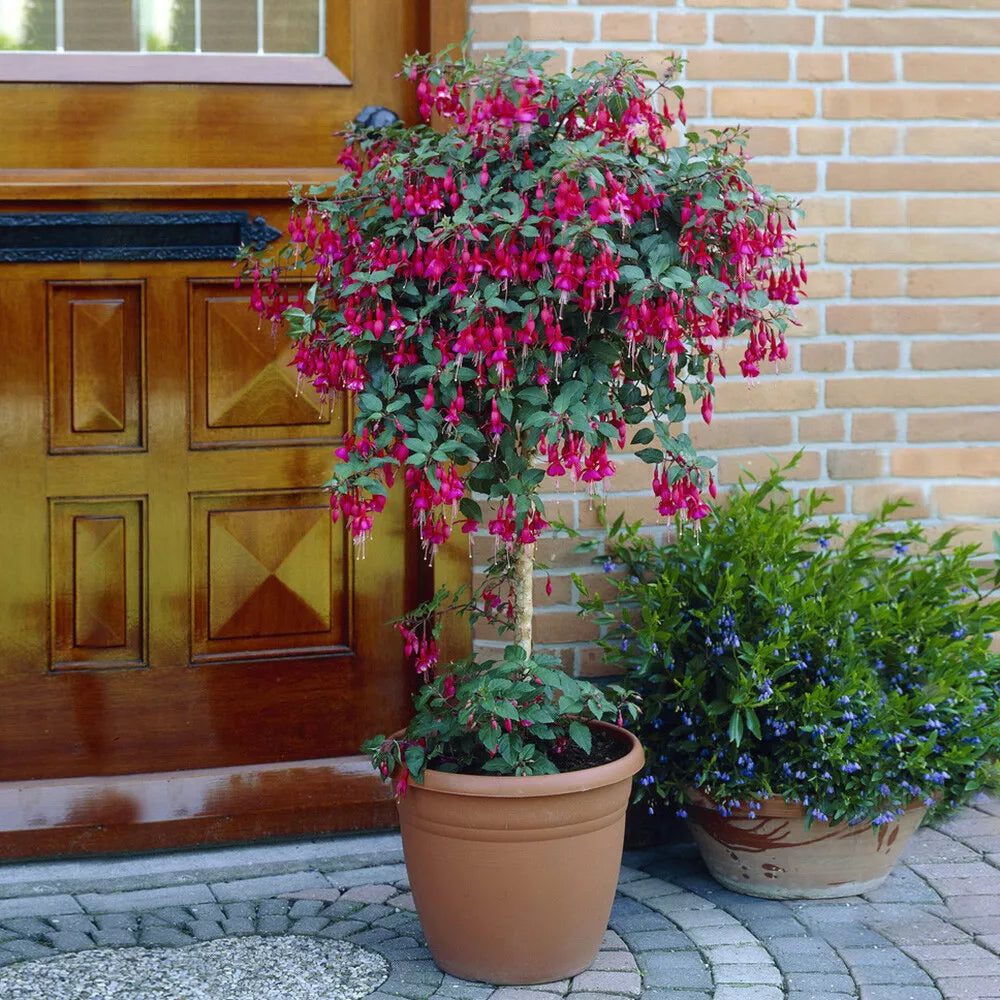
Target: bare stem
pixel 523 581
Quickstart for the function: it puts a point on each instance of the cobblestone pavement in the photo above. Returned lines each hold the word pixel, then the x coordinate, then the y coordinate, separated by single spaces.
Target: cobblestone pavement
pixel 931 931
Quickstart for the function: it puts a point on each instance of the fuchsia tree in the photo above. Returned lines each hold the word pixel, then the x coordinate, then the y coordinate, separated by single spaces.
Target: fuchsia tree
pixel 501 301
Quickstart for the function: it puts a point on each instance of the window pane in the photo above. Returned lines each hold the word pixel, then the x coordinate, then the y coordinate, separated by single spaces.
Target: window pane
pixel 231 26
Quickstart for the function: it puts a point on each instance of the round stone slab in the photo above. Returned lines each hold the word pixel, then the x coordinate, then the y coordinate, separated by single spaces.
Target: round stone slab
pixel 290 967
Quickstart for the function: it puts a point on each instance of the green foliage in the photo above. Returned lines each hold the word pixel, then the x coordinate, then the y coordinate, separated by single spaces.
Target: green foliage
pixel 778 653
pixel 512 716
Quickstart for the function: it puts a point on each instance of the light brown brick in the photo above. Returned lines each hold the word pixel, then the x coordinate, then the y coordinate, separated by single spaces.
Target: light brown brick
pixel 681 29
pixel 753 5
pixel 951 282
pixel 951 67
pixel 955 352
pixel 876 283
pixel 876 355
pixel 919 103
pixel 769 140
pixel 872 67
pixel 821 427
pixel 983 210
pixel 637 508
pixel 594 662
pixel 823 211
pixel 736 64
pixel 913 318
pixel 877 426
pixel 785 176
pixel 865 392
pixel 766 29
pixel 915 247
pixel 967 501
pixel 961 425
pixel 940 463
pixel 741 432
pixel 819 67
pixel 750 103
pixel 731 467
pixel 885 32
pixel 624 26
pixel 824 356
pixel 826 284
pixel 952 140
pixel 564 626
pixel 893 175
pixel 866 212
pixel 814 140
pixel 866 498
pixel 875 140
pixel 855 463
pixel 532 25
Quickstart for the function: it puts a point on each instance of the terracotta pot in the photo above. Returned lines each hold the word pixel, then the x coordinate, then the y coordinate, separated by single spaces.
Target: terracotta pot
pixel 775 856
pixel 513 878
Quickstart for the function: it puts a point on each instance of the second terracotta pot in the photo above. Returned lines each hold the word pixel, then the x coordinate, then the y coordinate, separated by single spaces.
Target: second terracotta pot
pixel 774 855
pixel 513 878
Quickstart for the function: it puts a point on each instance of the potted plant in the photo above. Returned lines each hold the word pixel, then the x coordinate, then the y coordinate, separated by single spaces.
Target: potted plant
pixel 809 689
pixel 500 302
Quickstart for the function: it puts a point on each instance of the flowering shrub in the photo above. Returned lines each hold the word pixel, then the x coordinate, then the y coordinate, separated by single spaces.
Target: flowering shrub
pixel 779 654
pixel 502 300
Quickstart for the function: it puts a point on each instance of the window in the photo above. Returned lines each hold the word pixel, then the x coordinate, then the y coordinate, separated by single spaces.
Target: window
pixel 261 27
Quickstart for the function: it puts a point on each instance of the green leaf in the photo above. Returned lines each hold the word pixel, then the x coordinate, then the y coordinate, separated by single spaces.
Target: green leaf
pixel 642 436
pixel 470 509
pixel 651 456
pixel 736 728
pixel 580 735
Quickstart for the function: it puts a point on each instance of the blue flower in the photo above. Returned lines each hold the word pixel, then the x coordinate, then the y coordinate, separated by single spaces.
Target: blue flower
pixel 609 566
pixel 900 548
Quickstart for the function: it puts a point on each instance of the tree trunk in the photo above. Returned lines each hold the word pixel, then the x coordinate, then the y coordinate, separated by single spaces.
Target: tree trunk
pixel 523 581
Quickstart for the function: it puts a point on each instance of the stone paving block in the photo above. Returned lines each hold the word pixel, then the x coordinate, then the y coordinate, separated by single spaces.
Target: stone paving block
pixel 749 993
pixel 767 928
pixel 28 926
pixel 970 823
pixel 904 886
pixel 821 984
pixel 658 940
pixel 970 988
pixel 341 928
pixel 33 906
pixel 823 914
pixel 273 923
pixel 404 901
pixel 613 961
pixel 204 911
pixel 239 925
pixel 340 909
pixel 681 969
pixel 678 994
pixel 117 937
pixel 920 929
pixel 371 893
pixel 71 941
pixel 738 954
pixel 802 954
pixel 809 995
pixel 273 907
pixel 6 958
pixel 174 916
pixel 372 912
pixel 145 899
pixel 895 992
pixel 205 930
pixel 987 965
pixel 627 914
pixel 731 933
pixel 973 906
pixel 237 911
pixel 366 876
pixel 372 936
pixel 624 983
pixel 649 888
pixel 686 918
pixel 306 908
pixel 852 936
pixel 611 941
pixel 328 895
pixel 308 925
pixel 266 885
pixel 160 935
pixel 989 924
pixel 74 922
pixel 412 954
pixel 120 920
pixel 928 845
pixel 397 987
pixel 750 974
pixel 452 988
pixel 524 993
pixel 29 949
pixel 990 941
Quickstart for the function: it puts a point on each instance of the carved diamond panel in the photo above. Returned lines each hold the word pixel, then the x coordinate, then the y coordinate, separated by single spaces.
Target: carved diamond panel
pixel 243 387
pixel 269 575
pixel 98 583
pixel 96 390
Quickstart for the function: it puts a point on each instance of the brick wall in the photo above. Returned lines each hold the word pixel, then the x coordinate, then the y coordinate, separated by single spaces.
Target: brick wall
pixel 884 117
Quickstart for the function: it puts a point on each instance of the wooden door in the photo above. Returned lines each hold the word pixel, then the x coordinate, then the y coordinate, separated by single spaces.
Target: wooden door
pixel 188 650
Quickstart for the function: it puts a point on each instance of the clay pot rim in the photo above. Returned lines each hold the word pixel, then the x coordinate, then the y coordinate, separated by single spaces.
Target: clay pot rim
pixel 775 806
pixel 513 787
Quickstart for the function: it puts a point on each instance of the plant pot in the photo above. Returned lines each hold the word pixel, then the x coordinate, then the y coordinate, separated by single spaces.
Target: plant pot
pixel 513 878
pixel 775 856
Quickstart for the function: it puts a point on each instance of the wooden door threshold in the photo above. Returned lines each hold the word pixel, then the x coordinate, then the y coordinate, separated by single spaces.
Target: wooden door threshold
pixel 172 809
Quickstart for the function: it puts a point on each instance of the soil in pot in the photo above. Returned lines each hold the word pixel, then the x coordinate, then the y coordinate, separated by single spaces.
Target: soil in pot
pixel 773 855
pixel 513 878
